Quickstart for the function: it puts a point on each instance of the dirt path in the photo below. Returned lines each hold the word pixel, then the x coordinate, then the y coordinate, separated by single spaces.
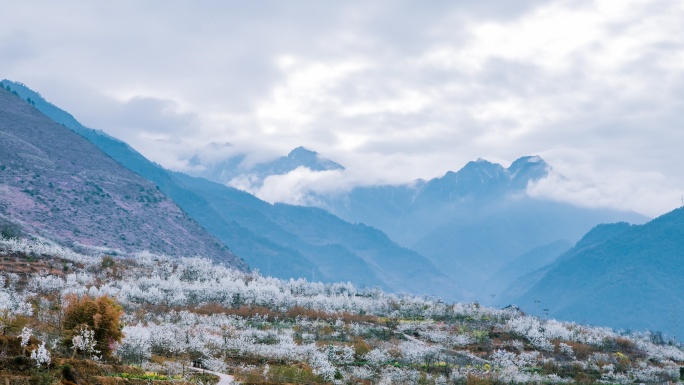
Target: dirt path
pixel 225 378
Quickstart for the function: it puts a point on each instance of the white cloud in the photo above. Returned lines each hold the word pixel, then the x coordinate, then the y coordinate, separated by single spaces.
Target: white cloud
pixel 392 90
pixel 587 181
pixel 306 89
pixel 296 186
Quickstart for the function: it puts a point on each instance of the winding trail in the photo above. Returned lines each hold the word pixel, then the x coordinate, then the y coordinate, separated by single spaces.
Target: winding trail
pixel 225 379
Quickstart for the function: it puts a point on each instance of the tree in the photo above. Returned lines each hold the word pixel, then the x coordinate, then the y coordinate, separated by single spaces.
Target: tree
pixel 102 315
pixel 25 337
pixel 84 341
pixel 136 345
pixel 41 356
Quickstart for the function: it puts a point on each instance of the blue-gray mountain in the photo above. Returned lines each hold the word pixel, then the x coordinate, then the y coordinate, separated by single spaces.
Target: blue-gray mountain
pixel 477 224
pixel 280 240
pixel 472 223
pixel 476 221
pixel 620 275
pixel 223 162
pixel 56 184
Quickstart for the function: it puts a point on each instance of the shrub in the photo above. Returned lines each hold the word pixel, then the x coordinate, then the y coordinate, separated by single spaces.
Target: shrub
pixel 107 262
pixel 68 373
pixel 9 230
pixel 102 315
pixel 361 347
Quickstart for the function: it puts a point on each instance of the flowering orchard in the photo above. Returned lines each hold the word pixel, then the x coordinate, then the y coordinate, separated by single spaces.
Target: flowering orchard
pixel 265 330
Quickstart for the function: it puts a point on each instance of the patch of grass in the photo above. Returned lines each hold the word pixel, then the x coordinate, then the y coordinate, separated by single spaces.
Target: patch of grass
pixel 280 374
pixel 142 376
pixel 203 378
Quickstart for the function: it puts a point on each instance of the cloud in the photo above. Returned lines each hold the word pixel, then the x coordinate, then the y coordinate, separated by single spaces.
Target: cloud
pixel 411 88
pixel 649 193
pixel 296 187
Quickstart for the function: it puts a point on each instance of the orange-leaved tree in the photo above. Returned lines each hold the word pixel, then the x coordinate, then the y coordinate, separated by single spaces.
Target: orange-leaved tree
pixel 101 315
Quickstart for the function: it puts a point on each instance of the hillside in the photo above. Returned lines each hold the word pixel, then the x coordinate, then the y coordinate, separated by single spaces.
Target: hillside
pixel 485 240
pixel 164 313
pixel 280 240
pixel 525 264
pixel 57 185
pixel 619 275
pixel 340 251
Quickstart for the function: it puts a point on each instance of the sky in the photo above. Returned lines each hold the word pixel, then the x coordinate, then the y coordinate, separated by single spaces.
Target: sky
pixel 393 90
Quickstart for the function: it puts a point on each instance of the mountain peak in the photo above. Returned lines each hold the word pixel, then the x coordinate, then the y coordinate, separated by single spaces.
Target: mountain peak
pixel 527 169
pixel 299 151
pixel 303 157
pixel 484 178
pixel 481 164
pixel 533 159
pixel 528 160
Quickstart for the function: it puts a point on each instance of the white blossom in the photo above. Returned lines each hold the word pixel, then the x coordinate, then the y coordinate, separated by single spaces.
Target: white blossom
pixel 25 336
pixel 41 355
pixel 84 341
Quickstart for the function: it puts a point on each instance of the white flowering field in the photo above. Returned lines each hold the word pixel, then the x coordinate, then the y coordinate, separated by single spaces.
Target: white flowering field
pixel 266 330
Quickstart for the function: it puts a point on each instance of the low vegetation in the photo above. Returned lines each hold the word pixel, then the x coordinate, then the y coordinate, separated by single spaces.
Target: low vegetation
pixel 86 319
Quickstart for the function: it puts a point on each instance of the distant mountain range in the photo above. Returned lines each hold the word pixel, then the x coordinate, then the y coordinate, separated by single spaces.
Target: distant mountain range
pixel 222 163
pixel 280 240
pixel 56 184
pixel 477 225
pixel 626 276
pixel 475 222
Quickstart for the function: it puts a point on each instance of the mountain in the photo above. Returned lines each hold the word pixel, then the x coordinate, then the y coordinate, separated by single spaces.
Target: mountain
pixel 299 157
pixel 481 179
pixel 536 272
pixel 474 222
pixel 526 263
pixel 478 243
pixel 621 275
pixel 338 249
pixel 56 184
pixel 223 163
pixel 280 240
pixel 410 212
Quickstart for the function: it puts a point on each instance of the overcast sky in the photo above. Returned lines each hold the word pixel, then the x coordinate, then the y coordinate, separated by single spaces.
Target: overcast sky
pixel 394 90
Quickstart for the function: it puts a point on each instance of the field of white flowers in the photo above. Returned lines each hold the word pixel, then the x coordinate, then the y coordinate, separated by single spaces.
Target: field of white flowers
pixel 266 330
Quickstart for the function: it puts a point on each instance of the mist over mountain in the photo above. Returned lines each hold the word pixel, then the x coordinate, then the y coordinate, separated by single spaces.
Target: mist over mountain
pixel 621 275
pixel 477 224
pixel 280 240
pixel 224 163
pixel 57 185
pixel 475 221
